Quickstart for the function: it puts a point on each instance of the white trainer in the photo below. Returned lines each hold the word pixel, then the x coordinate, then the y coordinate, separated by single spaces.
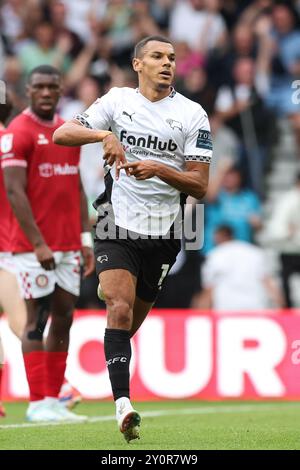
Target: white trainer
pixel 67 415
pixel 50 409
pixel 41 411
pixel 128 421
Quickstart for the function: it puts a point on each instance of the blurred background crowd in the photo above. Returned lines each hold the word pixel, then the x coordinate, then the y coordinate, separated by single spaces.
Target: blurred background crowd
pixel 240 59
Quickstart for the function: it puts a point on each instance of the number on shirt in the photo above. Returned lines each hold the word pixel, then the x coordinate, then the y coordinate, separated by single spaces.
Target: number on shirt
pixel 165 269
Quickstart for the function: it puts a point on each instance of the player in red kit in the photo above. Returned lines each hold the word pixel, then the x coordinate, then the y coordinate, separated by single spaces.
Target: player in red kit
pixel 10 299
pixel 50 234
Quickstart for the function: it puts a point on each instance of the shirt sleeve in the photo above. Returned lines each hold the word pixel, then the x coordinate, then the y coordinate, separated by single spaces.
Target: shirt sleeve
pixel 198 143
pixel 100 114
pixel 15 149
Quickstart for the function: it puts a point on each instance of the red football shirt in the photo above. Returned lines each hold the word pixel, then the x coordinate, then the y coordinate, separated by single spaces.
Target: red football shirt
pixel 6 214
pixel 53 182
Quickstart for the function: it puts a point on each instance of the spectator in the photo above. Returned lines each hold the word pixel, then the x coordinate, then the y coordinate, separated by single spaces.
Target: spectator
pixel 284 232
pixel 221 62
pixel 279 57
pixel 232 205
pixel 193 23
pixel 236 278
pixel 44 50
pixel 226 149
pixel 242 109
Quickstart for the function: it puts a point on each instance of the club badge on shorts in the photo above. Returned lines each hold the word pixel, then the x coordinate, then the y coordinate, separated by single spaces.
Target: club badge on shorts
pixel 41 280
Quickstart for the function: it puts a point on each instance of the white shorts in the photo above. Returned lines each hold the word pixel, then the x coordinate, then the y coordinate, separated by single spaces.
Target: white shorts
pixel 7 262
pixel 36 282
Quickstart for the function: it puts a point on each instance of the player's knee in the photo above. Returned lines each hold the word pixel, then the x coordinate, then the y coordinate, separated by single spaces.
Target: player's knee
pixel 63 318
pixel 119 313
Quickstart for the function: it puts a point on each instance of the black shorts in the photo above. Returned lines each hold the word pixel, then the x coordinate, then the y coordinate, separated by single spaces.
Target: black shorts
pixel 149 260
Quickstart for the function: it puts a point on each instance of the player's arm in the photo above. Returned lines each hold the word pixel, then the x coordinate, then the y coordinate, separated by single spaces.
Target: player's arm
pixel 86 237
pixel 15 179
pixel 193 181
pixel 73 133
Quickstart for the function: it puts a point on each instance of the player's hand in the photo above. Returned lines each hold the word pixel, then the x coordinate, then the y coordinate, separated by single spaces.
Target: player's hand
pixel 88 260
pixel 141 170
pixel 45 257
pixel 114 152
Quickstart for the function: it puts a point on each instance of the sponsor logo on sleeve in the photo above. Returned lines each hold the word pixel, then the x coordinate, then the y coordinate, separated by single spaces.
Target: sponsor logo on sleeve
pixel 6 143
pixel 204 140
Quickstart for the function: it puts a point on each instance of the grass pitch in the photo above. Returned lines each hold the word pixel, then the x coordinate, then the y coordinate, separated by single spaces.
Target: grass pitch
pixel 176 425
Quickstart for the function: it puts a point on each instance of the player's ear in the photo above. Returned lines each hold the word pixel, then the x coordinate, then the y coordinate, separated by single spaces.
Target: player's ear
pixel 136 64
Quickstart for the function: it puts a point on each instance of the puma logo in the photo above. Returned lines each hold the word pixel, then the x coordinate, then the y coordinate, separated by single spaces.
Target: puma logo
pixel 128 115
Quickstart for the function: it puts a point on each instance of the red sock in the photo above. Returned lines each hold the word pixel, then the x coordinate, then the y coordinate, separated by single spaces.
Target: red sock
pixel 35 370
pixel 55 372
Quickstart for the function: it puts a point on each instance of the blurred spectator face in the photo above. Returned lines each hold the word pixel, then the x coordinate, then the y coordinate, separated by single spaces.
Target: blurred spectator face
pixel 212 5
pixel 264 3
pixel 58 13
pixel 196 80
pixel 140 6
pixel 243 71
pixel 222 236
pixel 44 35
pixel 182 50
pixel 232 180
pixel 243 40
pixel 198 4
pixel 88 91
pixel 156 66
pixel 283 19
pixel 15 3
pixel 13 70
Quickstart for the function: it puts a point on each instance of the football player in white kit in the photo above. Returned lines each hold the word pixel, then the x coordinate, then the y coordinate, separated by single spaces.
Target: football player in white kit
pixel 157 150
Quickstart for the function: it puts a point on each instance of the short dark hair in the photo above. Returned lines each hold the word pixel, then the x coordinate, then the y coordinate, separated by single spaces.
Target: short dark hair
pixel 141 44
pixel 44 70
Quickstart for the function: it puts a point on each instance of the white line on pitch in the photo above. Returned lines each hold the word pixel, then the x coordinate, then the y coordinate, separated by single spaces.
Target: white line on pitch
pixel 157 413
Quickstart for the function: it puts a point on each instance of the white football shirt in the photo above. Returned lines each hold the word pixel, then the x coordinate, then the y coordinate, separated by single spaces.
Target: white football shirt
pixel 170 131
pixel 236 271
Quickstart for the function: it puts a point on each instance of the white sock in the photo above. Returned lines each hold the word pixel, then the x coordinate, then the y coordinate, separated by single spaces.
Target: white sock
pixel 50 400
pixel 122 403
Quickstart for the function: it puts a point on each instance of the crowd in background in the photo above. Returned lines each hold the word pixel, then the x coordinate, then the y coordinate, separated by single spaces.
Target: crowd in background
pixel 237 58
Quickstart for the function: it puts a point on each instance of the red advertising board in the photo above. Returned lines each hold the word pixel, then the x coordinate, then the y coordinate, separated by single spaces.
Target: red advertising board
pixel 181 354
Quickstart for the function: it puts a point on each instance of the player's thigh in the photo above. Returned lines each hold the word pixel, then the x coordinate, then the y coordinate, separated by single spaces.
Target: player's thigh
pixel 118 285
pixel 12 303
pixel 67 272
pixel 117 265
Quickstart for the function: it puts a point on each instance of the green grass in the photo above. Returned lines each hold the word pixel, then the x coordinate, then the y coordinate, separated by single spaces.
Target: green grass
pixel 177 425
